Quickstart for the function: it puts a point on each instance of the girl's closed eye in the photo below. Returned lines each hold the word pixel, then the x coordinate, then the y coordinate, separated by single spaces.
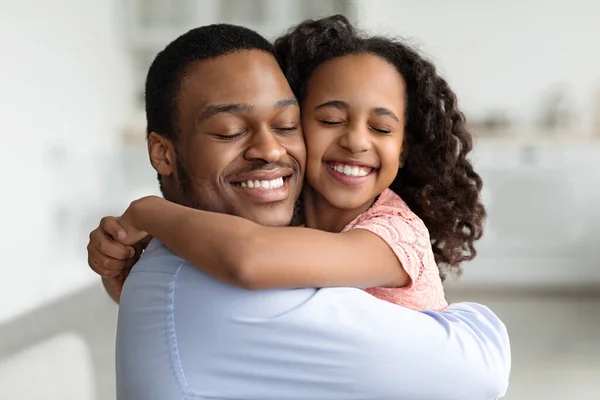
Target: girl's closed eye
pixel 381 129
pixel 331 122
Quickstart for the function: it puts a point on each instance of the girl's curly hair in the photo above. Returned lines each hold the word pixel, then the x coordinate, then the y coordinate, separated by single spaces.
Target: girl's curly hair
pixel 437 181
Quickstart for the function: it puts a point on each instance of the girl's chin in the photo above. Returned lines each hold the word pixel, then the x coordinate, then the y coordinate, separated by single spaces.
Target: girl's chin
pixel 345 202
pixel 345 198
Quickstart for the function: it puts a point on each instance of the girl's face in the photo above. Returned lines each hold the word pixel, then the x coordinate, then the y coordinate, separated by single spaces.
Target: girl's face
pixel 353 120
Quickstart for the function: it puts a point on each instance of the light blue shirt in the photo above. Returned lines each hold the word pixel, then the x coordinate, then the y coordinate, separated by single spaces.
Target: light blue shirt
pixel 184 335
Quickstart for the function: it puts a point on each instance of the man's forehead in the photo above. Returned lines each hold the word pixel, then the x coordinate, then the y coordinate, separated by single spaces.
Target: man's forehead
pixel 230 69
pixel 230 80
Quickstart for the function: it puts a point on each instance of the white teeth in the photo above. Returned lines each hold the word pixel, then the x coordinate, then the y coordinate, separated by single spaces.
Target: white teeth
pixel 350 170
pixel 271 184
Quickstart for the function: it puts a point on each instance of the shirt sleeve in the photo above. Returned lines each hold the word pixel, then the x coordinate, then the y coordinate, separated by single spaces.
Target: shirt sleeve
pixel 407 238
pixel 460 353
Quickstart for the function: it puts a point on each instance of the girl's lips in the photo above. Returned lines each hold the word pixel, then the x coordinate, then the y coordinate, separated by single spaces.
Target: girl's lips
pixel 350 170
pixel 351 163
pixel 350 175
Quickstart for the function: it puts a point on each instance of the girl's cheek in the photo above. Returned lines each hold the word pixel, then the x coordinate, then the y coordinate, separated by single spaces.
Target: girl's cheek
pixel 313 148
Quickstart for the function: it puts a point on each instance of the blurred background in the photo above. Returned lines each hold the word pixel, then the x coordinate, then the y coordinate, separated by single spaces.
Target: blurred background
pixel 527 74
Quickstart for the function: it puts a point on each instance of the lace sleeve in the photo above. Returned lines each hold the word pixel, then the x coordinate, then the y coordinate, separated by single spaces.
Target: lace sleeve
pixel 407 237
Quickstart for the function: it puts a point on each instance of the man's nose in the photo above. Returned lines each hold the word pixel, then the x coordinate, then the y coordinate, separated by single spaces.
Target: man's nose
pixel 356 139
pixel 265 146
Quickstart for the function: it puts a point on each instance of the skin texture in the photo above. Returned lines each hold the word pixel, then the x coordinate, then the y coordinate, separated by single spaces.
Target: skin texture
pixel 343 124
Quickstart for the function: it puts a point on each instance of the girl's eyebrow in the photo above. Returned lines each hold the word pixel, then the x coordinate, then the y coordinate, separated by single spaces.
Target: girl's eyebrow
pixel 340 105
pixel 385 111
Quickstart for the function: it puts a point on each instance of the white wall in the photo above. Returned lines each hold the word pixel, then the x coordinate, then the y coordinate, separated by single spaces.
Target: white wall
pixel 66 90
pixel 502 54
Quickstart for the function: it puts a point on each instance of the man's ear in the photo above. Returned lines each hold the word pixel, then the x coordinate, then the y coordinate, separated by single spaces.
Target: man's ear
pixel 404 152
pixel 162 154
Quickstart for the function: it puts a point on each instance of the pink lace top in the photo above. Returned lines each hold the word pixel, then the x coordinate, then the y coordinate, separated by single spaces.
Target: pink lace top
pixel 405 233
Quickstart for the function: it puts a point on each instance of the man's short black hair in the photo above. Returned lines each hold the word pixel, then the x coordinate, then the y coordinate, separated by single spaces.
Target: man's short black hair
pixel 170 65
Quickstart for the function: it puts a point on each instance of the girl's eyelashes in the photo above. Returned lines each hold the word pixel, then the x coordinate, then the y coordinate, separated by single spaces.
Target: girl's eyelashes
pixel 329 122
pixel 381 130
pixel 384 131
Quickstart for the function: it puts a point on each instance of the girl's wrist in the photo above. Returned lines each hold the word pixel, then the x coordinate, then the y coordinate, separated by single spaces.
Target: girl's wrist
pixel 142 209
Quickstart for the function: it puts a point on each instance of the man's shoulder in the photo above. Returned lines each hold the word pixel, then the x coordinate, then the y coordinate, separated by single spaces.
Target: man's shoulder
pixel 158 258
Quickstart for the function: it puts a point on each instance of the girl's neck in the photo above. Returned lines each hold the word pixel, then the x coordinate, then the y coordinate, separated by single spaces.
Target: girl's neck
pixel 320 214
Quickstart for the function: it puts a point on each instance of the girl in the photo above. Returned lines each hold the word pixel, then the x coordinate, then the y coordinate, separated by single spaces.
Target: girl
pixel 390 195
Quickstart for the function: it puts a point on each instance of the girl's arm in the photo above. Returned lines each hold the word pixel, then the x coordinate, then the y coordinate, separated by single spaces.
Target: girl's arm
pixel 252 256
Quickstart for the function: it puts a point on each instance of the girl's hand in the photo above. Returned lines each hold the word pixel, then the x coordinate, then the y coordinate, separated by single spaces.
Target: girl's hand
pixel 115 246
pixel 128 233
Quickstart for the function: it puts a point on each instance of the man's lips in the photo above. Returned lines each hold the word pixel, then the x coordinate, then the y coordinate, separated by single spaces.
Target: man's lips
pixel 264 186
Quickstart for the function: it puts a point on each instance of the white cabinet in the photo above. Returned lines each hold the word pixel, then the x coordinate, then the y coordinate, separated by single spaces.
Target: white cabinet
pixel 543 220
pixel 537 196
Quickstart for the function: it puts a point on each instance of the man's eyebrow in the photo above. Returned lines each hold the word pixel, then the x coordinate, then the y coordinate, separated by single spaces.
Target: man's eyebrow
pixel 385 111
pixel 290 101
pixel 214 109
pixel 340 105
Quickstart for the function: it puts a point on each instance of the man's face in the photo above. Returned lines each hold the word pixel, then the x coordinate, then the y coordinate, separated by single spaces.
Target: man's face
pixel 239 149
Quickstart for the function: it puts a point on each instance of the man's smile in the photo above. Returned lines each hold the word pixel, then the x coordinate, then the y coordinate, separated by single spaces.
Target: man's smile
pixel 265 186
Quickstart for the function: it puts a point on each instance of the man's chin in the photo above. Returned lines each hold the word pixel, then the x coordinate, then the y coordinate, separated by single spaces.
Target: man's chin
pixel 280 215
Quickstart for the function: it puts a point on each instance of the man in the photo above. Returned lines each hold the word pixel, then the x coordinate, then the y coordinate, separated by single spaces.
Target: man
pixel 220 111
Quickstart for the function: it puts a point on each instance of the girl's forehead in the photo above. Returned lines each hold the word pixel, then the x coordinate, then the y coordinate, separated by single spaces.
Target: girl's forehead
pixel 358 80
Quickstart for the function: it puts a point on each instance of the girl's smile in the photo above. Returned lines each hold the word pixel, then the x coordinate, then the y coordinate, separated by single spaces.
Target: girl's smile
pixel 350 172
